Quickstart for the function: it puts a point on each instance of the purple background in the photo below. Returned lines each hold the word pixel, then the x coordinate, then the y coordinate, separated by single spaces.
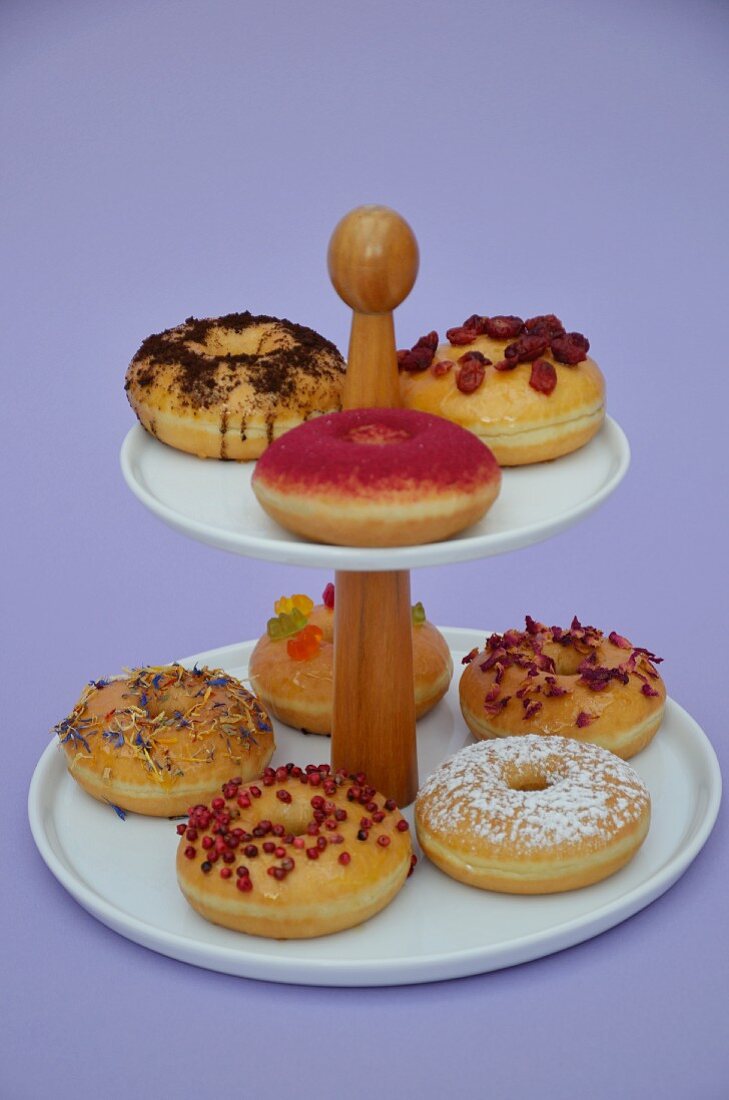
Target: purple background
pixel 172 158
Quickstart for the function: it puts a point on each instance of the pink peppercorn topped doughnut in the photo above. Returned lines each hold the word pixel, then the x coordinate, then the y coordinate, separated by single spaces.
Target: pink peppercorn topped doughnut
pixel 532 815
pixel 578 683
pixel 304 852
pixel 377 477
pixel 528 389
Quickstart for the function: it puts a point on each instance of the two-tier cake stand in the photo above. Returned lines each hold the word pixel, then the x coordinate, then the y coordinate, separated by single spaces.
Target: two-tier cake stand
pixel 124 872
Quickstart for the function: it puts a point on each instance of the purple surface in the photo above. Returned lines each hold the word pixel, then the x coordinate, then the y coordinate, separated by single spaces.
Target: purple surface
pixel 169 159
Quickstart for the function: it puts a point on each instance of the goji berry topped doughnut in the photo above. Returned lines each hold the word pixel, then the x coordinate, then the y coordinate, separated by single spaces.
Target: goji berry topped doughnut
pixel 532 815
pixel 526 388
pixel 291 667
pixel 161 738
pixel 302 853
pixel 225 387
pixel 579 683
pixel 377 477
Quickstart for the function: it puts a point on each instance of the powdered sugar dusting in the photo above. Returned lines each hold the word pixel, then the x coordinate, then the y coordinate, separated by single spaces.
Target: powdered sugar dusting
pixel 588 793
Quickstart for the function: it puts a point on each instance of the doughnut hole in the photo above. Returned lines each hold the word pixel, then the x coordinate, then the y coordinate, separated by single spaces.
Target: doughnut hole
pixel 294 817
pixel 527 779
pixel 226 341
pixel 567 659
pixel 376 435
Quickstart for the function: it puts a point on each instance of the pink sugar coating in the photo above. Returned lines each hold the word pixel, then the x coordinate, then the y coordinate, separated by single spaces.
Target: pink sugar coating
pixel 318 453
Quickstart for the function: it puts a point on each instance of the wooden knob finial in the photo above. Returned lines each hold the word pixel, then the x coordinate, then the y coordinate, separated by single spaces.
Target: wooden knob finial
pixel 373 259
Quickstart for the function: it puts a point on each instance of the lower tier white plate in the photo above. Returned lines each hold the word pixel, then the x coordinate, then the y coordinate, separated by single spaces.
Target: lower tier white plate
pixel 123 872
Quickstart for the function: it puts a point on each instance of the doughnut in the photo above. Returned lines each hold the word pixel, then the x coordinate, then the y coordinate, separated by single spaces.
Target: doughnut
pixel 293 676
pixel 225 387
pixel 526 388
pixel 532 815
pixel 303 853
pixel 377 477
pixel 159 739
pixel 577 683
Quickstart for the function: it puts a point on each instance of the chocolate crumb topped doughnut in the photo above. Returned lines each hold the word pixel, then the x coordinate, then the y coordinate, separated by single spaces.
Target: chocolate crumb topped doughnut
pixel 532 815
pixel 226 387
pixel 576 682
pixel 527 389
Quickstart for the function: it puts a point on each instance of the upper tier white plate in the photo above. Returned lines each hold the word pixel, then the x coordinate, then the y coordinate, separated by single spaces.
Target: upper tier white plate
pixel 213 501
pixel 124 872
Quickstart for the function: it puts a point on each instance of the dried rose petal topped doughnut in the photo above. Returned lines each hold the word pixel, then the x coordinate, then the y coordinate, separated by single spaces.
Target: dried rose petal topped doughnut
pixel 532 815
pixel 525 388
pixel 579 683
pixel 377 477
pixel 302 853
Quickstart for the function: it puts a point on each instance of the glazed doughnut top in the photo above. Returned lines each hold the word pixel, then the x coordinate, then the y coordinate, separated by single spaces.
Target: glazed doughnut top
pixel 584 790
pixel 536 653
pixel 280 361
pixel 167 718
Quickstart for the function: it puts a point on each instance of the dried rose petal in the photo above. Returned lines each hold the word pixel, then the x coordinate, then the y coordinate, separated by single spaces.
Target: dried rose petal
pixel 527 348
pixel 470 376
pixel 543 378
pixel 503 327
pixel 496 708
pixel 619 640
pixel 545 325
pixel 584 719
pixel 597 678
pixel 442 367
pixel 469 656
pixel 531 709
pixel 648 690
pixel 571 348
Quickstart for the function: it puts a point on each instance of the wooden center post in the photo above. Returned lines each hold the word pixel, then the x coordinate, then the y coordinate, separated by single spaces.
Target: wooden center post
pixel 373 263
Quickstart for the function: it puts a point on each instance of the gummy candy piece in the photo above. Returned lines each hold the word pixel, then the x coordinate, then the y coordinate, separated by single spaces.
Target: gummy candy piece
pixel 418 614
pixel 328 596
pixel 284 625
pixel 305 644
pixel 286 604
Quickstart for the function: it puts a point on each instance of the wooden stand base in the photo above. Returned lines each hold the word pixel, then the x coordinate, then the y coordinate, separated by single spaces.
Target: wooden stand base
pixel 374 707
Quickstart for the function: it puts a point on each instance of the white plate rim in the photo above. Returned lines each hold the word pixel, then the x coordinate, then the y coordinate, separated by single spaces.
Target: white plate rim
pixel 318 555
pixel 437 967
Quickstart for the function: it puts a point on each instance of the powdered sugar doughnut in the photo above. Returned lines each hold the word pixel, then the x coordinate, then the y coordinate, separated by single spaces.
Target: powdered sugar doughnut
pixel 532 815
pixel 377 477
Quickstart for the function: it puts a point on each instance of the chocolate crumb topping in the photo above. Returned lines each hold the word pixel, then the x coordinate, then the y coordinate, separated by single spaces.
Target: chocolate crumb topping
pixel 202 378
